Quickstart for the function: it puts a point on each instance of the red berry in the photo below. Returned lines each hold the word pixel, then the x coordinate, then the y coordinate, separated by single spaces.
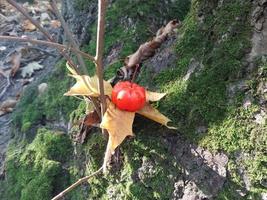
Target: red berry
pixel 128 96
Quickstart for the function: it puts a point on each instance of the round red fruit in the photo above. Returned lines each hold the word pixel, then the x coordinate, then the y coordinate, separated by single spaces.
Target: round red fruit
pixel 128 96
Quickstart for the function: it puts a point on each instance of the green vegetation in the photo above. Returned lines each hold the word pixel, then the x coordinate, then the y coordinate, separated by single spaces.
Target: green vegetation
pixel 51 106
pixel 203 99
pixel 217 47
pixel 131 181
pixel 35 171
pixel 129 25
pixel 214 42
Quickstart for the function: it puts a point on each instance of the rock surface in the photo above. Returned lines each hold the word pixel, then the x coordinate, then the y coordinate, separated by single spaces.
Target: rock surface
pixel 12 24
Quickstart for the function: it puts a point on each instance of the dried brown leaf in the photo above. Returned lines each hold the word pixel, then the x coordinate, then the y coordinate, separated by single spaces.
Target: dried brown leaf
pixel 91 118
pixel 153 114
pixel 28 26
pixel 55 24
pixel 15 60
pixel 7 106
pixel 119 125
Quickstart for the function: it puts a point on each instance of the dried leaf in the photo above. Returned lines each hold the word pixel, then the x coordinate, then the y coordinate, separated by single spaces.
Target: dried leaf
pixel 15 60
pixel 30 68
pixel 91 118
pixel 86 85
pixel 28 26
pixel 144 52
pixel 55 24
pixel 119 125
pixel 154 96
pixel 153 114
pixel 7 106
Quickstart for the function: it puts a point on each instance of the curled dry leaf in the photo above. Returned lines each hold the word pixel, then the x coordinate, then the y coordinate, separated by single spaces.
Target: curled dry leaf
pixel 153 114
pixel 7 106
pixel 91 118
pixel 154 96
pixel 88 86
pixel 28 26
pixel 144 52
pixel 55 24
pixel 119 125
pixel 15 60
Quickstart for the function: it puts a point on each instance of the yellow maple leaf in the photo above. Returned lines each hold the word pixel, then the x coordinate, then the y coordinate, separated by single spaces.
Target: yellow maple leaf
pixel 119 122
pixel 87 86
pixel 119 125
pixel 72 71
pixel 154 96
pixel 152 113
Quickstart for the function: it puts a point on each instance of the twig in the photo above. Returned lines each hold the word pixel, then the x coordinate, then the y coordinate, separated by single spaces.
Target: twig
pixel 79 182
pixel 100 52
pixel 61 47
pixel 69 35
pixel 42 50
pixel 37 24
pixel 75 46
pixel 107 157
pixel 33 21
pixel 137 66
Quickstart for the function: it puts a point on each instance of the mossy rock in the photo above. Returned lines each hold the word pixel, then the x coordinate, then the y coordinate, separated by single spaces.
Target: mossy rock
pixel 35 171
pixel 52 106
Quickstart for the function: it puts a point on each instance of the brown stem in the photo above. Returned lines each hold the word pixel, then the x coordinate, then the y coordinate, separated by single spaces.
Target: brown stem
pixel 79 182
pixel 51 44
pixel 69 35
pixel 100 52
pixel 75 46
pixel 137 66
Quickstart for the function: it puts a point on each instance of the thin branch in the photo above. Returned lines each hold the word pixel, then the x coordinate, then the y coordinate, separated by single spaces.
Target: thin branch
pixel 69 35
pixel 100 52
pixel 58 46
pixel 107 157
pixel 33 21
pixel 37 24
pixel 75 46
pixel 79 182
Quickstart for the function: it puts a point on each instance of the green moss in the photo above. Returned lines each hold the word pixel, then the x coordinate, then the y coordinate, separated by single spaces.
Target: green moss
pixel 129 24
pixel 218 46
pixel 133 181
pixel 203 99
pixel 33 170
pixel 36 109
